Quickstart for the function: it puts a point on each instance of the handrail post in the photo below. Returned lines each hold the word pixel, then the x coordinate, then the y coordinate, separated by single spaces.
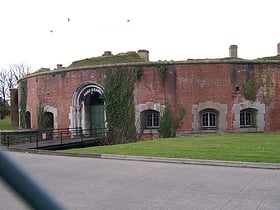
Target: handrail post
pixel 37 145
pixel 4 140
pixel 61 137
pixel 81 133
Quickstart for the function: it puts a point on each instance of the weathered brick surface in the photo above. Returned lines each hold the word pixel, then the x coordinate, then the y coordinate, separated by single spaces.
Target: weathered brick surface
pixel 199 83
pixel 272 117
pixel 185 84
pixel 56 90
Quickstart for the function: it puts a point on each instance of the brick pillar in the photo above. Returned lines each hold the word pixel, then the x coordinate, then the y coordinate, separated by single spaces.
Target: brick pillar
pixel 278 49
pixel 14 106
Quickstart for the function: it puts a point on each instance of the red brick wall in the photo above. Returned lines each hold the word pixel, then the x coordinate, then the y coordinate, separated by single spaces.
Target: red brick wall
pixel 269 78
pixel 199 83
pixel 56 89
pixel 185 84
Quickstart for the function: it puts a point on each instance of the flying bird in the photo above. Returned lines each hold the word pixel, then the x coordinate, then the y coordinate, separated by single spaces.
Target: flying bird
pixel 68 19
pixel 128 20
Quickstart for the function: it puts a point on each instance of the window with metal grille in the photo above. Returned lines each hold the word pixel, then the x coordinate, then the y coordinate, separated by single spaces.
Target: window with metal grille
pixel 208 120
pixel 246 119
pixel 152 119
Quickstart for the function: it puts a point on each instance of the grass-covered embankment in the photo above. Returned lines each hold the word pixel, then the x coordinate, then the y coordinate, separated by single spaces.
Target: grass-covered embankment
pixel 249 147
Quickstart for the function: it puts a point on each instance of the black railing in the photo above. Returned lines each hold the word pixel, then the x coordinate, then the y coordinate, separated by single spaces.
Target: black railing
pixel 52 136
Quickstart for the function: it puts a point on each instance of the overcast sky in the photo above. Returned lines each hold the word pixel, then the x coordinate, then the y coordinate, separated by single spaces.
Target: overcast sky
pixel 39 34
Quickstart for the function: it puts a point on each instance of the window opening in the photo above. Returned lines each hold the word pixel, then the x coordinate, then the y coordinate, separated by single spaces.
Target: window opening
pixel 152 120
pixel 246 119
pixel 208 120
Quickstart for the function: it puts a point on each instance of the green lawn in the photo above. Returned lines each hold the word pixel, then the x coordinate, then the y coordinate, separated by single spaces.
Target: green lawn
pixel 252 147
pixel 6 125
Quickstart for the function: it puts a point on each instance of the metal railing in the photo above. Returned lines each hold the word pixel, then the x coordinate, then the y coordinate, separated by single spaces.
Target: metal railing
pixel 57 136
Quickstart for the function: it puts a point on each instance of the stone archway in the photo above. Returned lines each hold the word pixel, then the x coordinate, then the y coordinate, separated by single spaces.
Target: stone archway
pixel 48 120
pixel 259 112
pixel 87 111
pixel 220 110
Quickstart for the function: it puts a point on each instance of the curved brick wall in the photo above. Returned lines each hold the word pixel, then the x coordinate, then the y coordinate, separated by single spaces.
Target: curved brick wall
pixel 194 85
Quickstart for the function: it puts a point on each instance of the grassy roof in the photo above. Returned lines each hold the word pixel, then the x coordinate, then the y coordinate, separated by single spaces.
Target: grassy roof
pixel 271 58
pixel 128 57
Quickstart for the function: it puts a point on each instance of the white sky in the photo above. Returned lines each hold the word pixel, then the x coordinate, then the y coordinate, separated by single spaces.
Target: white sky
pixel 169 29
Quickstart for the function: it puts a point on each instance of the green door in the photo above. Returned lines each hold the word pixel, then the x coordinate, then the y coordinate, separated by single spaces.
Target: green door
pixel 97 120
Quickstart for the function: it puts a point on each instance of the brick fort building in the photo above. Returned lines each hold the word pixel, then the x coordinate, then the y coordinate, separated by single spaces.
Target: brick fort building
pixel 217 95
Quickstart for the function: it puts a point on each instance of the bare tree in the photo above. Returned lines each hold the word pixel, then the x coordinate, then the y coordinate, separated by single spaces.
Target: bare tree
pixel 3 94
pixel 17 71
pixel 3 86
pixel 9 78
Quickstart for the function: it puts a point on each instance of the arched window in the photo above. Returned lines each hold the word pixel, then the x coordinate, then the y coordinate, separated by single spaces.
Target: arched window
pixel 247 118
pixel 208 119
pixel 48 120
pixel 28 119
pixel 150 119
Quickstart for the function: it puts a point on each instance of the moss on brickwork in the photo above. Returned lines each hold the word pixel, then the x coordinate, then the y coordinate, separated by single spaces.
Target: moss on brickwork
pixel 268 86
pixel 119 104
pixel 250 89
pixel 23 103
pixel 165 128
pixel 138 71
pixel 266 80
pixel 217 59
pixel 128 57
pixel 169 122
pixel 40 115
pixel 162 72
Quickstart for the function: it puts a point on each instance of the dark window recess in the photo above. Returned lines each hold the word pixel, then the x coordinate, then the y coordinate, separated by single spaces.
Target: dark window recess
pixel 150 119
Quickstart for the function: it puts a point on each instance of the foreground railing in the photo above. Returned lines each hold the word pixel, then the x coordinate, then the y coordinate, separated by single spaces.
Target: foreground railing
pixel 58 136
pixel 29 190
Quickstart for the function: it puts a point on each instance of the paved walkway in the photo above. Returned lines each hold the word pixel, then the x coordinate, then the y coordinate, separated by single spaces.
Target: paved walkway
pixel 154 159
pixel 99 183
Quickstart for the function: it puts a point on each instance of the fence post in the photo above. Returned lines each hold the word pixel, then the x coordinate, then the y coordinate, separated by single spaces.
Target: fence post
pixel 81 133
pixel 30 137
pixel 61 137
pixel 3 139
pixel 37 145
pixel 8 142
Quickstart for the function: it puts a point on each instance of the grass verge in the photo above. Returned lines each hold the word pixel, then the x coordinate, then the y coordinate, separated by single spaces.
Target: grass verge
pixel 6 125
pixel 249 147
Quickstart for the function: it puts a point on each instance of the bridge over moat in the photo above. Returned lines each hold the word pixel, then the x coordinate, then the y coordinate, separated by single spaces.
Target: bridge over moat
pixel 53 139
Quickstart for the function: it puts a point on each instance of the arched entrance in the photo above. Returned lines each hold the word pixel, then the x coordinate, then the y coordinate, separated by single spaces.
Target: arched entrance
pixel 48 120
pixel 88 111
pixel 28 119
pixel 94 110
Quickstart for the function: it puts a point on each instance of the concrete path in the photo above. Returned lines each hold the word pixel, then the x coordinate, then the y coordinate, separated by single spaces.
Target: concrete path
pixel 94 183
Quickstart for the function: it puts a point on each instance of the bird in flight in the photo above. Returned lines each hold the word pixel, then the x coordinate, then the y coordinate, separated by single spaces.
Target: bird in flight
pixel 68 19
